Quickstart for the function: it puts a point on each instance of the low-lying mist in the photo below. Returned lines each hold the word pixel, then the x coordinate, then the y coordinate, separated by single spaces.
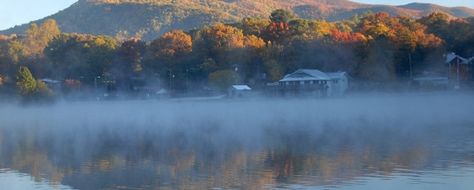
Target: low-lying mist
pixel 333 139
pixel 243 115
pixel 244 120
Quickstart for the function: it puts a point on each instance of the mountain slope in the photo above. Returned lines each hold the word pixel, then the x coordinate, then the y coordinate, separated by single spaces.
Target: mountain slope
pixel 154 17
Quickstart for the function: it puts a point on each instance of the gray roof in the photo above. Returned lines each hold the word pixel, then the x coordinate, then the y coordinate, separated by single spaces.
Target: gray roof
pixel 470 60
pixel 452 56
pixel 241 87
pixel 50 81
pixel 306 75
pixel 337 75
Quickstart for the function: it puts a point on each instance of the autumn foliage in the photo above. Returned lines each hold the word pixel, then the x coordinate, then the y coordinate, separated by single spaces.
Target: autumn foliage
pixel 171 44
pixel 347 37
pixel 371 47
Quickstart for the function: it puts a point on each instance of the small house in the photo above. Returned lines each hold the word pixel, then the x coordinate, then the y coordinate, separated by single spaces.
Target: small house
pixel 239 91
pixel 52 84
pixel 312 81
pixel 460 68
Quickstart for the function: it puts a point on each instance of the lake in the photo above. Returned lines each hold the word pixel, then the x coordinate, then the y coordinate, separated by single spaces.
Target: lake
pixel 411 141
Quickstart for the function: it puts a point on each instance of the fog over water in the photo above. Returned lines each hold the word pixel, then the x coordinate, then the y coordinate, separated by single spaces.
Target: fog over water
pixel 239 143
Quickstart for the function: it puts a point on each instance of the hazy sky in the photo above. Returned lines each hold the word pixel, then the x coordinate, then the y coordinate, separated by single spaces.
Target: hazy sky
pixel 16 12
pixel 450 3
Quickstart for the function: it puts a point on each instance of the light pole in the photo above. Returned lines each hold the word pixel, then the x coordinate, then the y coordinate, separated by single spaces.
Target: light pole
pixel 458 80
pixel 411 66
pixel 95 82
pixel 236 78
pixel 187 72
pixel 171 77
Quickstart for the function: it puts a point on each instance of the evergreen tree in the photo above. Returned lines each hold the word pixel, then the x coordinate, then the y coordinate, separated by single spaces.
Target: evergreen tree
pixel 281 15
pixel 26 83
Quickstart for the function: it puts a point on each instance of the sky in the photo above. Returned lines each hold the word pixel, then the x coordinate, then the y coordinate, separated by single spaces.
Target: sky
pixel 449 3
pixel 16 12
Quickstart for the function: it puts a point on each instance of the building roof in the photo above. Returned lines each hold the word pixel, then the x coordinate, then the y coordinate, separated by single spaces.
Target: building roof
pixel 337 75
pixel 452 58
pixel 470 60
pixel 306 75
pixel 241 87
pixel 50 81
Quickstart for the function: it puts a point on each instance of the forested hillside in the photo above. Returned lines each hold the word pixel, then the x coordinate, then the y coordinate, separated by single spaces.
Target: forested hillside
pixel 376 48
pixel 152 18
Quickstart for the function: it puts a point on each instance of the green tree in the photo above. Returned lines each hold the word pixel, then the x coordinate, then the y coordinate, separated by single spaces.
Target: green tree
pixel 100 54
pixel 281 15
pixel 251 69
pixel 320 29
pixel 25 82
pixel 38 37
pixel 221 43
pixel 223 79
pixel 130 56
pixel 376 61
pixel 171 53
pixel 128 63
pixel 299 27
pixel 437 22
pixel 253 26
pixel 79 56
pixel 12 51
pixel 272 56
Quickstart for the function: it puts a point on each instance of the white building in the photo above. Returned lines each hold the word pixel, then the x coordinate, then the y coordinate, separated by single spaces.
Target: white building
pixel 239 91
pixel 315 82
pixel 339 83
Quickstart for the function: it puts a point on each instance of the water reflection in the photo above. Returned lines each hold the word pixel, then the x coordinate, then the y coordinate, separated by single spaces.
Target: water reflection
pixel 14 180
pixel 366 152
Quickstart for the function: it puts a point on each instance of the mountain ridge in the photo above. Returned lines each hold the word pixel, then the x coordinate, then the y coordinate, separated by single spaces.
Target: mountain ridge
pixel 151 18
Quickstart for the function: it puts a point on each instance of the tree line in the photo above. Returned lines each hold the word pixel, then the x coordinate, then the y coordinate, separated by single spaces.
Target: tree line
pixel 373 47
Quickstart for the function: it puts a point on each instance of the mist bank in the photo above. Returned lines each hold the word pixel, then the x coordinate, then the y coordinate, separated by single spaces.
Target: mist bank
pixel 254 142
pixel 399 110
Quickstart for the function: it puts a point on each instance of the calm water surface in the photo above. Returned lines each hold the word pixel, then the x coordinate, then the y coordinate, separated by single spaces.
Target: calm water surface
pixel 403 142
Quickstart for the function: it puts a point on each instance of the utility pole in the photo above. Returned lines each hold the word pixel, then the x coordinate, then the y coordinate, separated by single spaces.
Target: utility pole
pixel 170 75
pixel 95 82
pixel 187 71
pixel 411 66
pixel 457 71
pixel 449 72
